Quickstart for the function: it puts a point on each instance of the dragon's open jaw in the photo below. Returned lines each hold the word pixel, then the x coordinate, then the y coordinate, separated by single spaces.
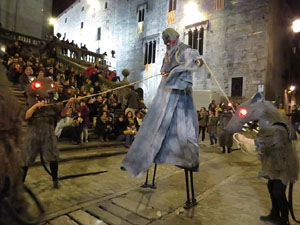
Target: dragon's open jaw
pixel 40 99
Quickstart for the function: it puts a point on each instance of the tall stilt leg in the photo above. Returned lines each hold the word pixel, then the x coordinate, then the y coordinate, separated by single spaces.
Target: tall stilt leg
pixel 188 201
pixel 153 179
pixel 145 185
pixel 194 201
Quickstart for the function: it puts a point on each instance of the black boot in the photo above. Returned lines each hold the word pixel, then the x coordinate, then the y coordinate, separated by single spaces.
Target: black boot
pixel 228 150
pixel 54 170
pixel 283 222
pixel 224 150
pixel 273 217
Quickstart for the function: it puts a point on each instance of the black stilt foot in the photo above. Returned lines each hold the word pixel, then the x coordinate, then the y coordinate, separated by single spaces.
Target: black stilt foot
pixel 152 186
pixel 194 201
pixel 153 179
pixel 145 185
pixel 189 203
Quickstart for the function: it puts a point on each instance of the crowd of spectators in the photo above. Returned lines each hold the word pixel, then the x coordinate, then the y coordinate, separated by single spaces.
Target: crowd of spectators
pixel 99 112
pixel 104 112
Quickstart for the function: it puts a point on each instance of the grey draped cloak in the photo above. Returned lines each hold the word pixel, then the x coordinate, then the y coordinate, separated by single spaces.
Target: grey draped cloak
pixel 169 133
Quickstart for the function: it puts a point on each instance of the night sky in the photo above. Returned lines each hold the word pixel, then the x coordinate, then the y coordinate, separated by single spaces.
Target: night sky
pixel 60 5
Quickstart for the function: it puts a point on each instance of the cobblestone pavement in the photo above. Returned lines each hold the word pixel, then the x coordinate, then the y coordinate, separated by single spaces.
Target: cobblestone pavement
pixel 226 186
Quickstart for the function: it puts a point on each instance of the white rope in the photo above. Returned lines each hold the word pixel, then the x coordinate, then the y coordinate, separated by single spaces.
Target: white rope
pixel 109 90
pixel 140 81
pixel 218 84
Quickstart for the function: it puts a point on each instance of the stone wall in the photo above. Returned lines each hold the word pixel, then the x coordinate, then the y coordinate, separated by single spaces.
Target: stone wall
pixel 235 42
pixel 28 17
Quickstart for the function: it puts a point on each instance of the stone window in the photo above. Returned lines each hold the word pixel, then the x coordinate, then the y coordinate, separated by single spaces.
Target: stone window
pixel 81 25
pixel 172 9
pixel 219 4
pixel 172 5
pixel 65 35
pixel 82 9
pixel 141 10
pixel 194 35
pixel 150 52
pixel 98 50
pixel 236 86
pixel 196 38
pixel 99 34
pixel 66 20
pixel 106 5
pixel 141 15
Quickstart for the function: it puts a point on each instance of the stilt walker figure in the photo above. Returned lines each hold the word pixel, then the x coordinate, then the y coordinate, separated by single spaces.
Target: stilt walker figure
pixel 169 133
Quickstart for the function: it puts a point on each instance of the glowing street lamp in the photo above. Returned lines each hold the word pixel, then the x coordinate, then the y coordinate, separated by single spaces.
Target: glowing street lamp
pixel 94 4
pixel 296 26
pixel 292 88
pixel 192 14
pixel 52 21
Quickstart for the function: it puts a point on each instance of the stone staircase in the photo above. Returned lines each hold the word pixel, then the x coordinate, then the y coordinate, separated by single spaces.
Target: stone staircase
pixel 68 152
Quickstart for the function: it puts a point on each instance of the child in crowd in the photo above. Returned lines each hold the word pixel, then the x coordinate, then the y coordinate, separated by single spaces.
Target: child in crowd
pixel 84 112
pixel 130 133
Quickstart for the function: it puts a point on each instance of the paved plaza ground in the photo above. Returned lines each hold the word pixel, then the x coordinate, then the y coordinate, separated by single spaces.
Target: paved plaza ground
pixel 226 186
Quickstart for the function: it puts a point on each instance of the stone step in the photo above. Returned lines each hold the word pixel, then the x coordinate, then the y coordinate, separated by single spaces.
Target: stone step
pixel 67 146
pixel 86 153
pixel 123 213
pixel 106 216
pixel 65 220
pixel 139 208
pixel 85 218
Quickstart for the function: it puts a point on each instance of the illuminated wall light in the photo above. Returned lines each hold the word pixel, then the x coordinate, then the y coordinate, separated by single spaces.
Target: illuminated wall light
pixel 52 21
pixel 296 26
pixel 94 4
pixel 192 14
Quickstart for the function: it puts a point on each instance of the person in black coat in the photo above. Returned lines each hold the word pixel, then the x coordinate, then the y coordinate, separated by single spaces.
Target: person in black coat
pixel 295 118
pixel 119 128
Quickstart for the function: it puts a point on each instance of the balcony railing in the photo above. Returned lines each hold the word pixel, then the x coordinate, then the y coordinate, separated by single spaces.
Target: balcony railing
pixel 9 36
pixel 63 50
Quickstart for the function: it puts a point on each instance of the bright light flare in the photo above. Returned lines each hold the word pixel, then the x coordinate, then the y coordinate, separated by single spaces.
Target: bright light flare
pixel 52 21
pixel 94 4
pixel 296 26
pixel 192 14
pixel 292 88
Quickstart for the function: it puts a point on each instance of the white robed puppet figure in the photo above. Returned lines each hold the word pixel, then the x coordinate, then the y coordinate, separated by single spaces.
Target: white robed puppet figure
pixel 169 133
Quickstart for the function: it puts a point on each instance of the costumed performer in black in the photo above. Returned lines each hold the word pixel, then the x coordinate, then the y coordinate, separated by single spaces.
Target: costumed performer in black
pixel 40 136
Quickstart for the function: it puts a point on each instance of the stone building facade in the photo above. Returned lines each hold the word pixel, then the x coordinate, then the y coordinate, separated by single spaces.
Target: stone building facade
pixel 240 40
pixel 29 17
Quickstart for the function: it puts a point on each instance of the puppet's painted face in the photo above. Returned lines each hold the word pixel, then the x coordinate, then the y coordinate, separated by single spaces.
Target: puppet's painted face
pixel 41 89
pixel 170 36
